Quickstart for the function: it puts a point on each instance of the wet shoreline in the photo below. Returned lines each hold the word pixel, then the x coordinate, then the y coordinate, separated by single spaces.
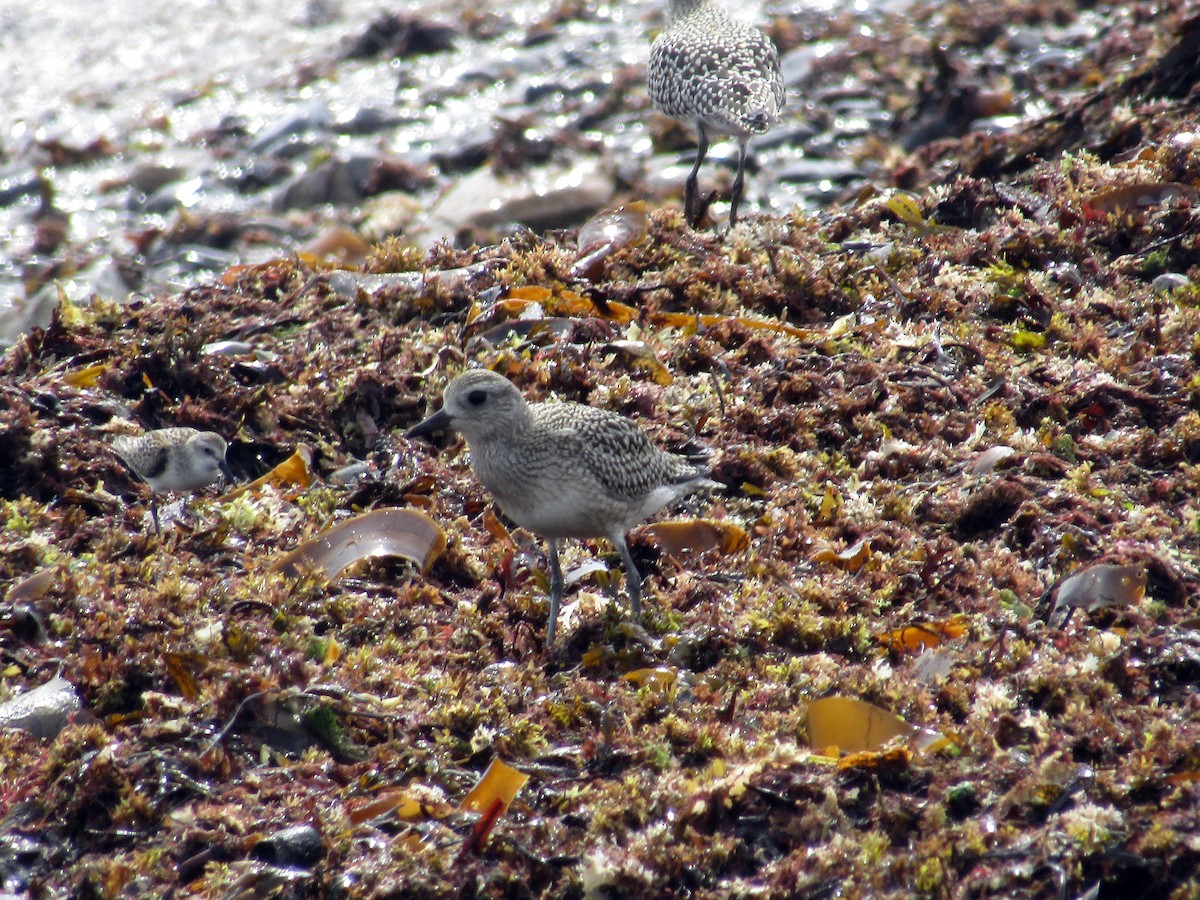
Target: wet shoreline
pixel 434 123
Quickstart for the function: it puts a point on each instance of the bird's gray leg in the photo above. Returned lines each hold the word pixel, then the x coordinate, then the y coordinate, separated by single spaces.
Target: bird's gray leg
pixel 632 576
pixel 691 191
pixel 556 589
pixel 738 182
pixel 154 513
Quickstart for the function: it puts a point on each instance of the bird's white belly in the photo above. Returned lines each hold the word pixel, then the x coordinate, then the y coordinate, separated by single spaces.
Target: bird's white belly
pixel 559 509
pixel 577 509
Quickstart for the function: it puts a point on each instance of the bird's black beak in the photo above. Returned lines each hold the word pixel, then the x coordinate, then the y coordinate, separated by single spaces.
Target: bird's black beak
pixel 226 473
pixel 439 421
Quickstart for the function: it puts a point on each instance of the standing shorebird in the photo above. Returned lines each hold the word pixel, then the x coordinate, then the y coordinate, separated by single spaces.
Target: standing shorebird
pixel 174 459
pixel 719 74
pixel 563 470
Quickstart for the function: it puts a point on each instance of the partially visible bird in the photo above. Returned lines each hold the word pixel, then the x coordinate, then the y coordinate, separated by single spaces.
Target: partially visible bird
pixel 174 459
pixel 719 74
pixel 563 470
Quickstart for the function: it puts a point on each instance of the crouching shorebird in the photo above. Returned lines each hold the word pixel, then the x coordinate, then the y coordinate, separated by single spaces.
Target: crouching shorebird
pixel 563 470
pixel 721 75
pixel 174 459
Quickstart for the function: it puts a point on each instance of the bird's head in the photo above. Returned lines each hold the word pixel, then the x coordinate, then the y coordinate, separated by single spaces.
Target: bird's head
pixel 478 404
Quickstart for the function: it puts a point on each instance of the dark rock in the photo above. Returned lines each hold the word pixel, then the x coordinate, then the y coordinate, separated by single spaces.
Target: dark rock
pixel 349 181
pixel 17 182
pixel 465 152
pixel 335 181
pixel 148 177
pixel 297 847
pixel 813 170
pixel 251 175
pixel 392 35
pixel 368 120
pixel 314 117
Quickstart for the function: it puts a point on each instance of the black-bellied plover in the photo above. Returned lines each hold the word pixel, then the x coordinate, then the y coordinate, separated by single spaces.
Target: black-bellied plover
pixel 563 470
pixel 174 459
pixel 721 75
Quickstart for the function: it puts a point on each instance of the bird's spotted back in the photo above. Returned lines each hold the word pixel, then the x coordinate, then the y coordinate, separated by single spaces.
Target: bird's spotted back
pixel 708 67
pixel 614 449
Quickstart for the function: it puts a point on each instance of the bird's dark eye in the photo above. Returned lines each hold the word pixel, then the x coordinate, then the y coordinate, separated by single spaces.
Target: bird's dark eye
pixel 477 398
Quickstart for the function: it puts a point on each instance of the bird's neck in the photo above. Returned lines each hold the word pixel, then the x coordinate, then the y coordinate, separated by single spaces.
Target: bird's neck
pixel 678 9
pixel 499 433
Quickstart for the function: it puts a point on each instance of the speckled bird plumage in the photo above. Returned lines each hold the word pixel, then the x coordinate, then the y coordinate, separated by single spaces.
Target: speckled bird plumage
pixel 174 459
pixel 720 75
pixel 563 470
pixel 708 66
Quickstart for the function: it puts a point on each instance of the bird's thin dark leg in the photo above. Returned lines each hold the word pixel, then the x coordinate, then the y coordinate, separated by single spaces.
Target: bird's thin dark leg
pixel 738 183
pixel 154 513
pixel 556 589
pixel 692 189
pixel 633 577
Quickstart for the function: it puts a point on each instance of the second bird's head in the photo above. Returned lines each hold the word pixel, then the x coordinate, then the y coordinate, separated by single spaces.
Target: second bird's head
pixel 480 405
